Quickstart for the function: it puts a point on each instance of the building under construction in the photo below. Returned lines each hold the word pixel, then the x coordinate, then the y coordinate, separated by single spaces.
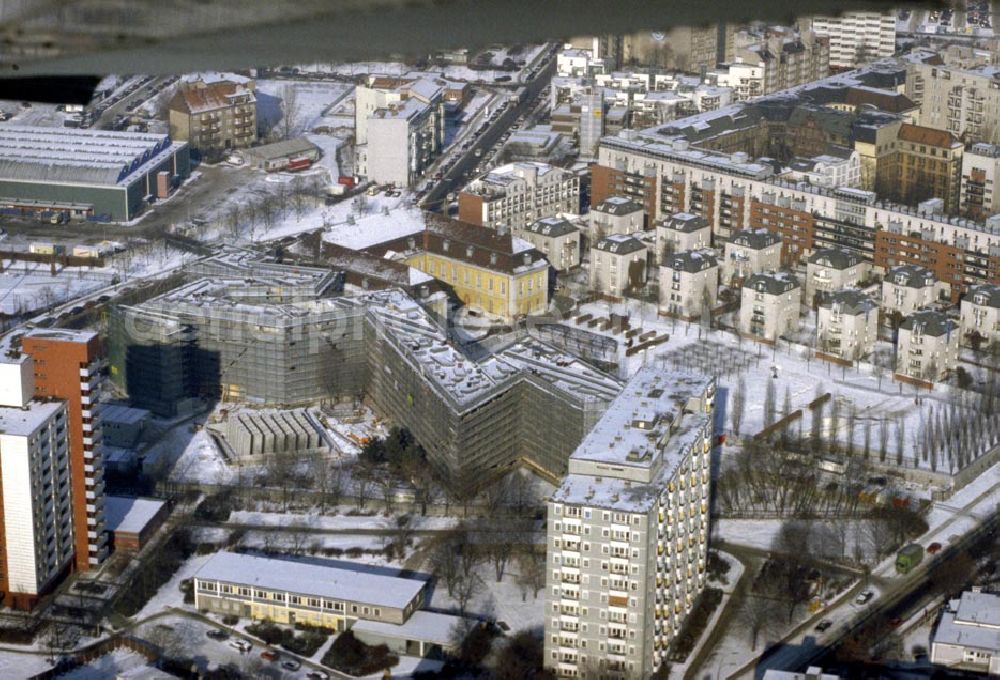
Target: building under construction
pixel 236 337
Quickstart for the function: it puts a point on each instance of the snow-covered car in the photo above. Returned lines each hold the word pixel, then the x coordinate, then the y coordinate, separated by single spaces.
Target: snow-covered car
pixel 241 645
pixel 864 597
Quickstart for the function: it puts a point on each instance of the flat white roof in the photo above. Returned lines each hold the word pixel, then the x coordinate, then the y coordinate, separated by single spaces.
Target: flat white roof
pixel 310 578
pixel 423 626
pixel 22 422
pixel 129 514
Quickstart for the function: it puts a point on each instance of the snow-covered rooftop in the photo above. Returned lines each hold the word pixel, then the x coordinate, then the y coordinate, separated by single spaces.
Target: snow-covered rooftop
pixel 973 620
pixel 310 578
pixel 22 422
pixel 424 626
pixel 130 515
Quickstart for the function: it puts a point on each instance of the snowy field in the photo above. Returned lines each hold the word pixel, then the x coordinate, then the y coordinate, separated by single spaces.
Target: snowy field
pixel 29 286
pixel 311 101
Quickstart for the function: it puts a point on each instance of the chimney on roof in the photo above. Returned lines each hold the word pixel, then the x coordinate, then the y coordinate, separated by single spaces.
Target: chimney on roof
pixel 493 258
pixel 468 251
pixel 527 259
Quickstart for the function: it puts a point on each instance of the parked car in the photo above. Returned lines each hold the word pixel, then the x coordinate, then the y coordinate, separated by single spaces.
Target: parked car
pixel 933 548
pixel 823 625
pixel 318 675
pixel 895 622
pixel 244 646
pixel 291 665
pixel 269 655
pixel 216 634
pixel 864 597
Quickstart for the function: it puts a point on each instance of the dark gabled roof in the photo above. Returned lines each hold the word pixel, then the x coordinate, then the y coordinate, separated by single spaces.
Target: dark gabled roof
pixel 911 276
pixel 850 301
pixel 835 258
pixel 686 222
pixel 928 322
pixel 758 239
pixel 551 226
pixel 619 244
pixel 772 283
pixel 985 294
pixel 692 261
pixel 618 205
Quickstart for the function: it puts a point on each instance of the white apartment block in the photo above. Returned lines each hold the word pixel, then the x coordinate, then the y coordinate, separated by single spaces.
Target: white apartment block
pixel 750 252
pixel 980 310
pixel 689 283
pixel 617 265
pixel 767 64
pixel 769 305
pixel 517 194
pixel 847 325
pixel 927 346
pixel 832 269
pixel 555 238
pixel 37 546
pixel 627 531
pixel 830 171
pixel 858 37
pixel 965 102
pixel 907 288
pixel 398 127
pixel 980 173
pixel 682 231
pixel 616 215
pixel 968 636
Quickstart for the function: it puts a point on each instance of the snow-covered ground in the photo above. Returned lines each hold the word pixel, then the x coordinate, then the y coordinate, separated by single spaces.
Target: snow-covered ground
pixel 376 227
pixel 29 286
pixel 22 665
pixel 505 600
pixel 311 102
pixel 198 459
pixel 335 522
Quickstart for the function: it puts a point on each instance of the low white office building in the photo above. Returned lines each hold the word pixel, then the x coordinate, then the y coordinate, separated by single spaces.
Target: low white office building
pixel 968 636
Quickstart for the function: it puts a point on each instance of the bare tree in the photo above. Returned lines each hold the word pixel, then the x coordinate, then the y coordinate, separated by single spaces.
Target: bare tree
pixel 289 112
pixel 883 439
pixel 738 406
pixel 532 573
pixel 756 616
pixel 770 403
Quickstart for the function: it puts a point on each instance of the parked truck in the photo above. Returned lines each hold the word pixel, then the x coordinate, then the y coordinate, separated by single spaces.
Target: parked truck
pixel 908 557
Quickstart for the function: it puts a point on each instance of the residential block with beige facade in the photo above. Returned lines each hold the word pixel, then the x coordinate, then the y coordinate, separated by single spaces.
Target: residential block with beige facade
pixel 214 115
pixel 750 252
pixel 36 522
pixel 517 194
pixel 617 265
pixel 616 215
pixel 689 283
pixel 907 288
pixel 980 173
pixel 832 269
pixel 858 37
pixel 846 325
pixel 927 346
pixel 980 309
pixel 555 238
pixel 627 530
pixel 769 305
pixel 682 231
pixel 962 100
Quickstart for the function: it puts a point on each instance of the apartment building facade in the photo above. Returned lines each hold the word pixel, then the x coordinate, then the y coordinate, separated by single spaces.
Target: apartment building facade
pixel 858 37
pixel 963 101
pixel 980 315
pixel 832 269
pixel 980 173
pixel 929 166
pixel 398 127
pixel 627 530
pixel 617 265
pixel 772 63
pixel 927 346
pixel 215 115
pixel 749 252
pixel 556 239
pixel 616 215
pixel 769 305
pixel 69 365
pixel 682 231
pixel 513 196
pixel 36 525
pixel 907 288
pixel 846 325
pixel 689 283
